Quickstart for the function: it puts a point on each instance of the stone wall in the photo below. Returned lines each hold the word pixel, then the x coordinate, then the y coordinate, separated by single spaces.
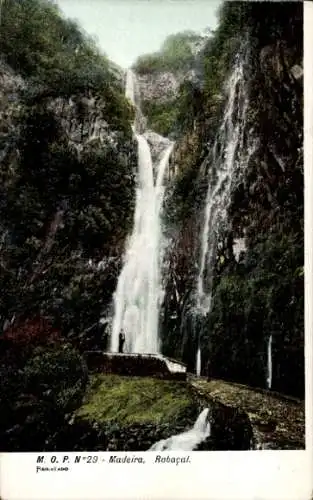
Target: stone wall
pixel 134 365
pixel 269 421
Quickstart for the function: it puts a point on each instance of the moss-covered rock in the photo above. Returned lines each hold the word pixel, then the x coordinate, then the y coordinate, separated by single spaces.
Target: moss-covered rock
pixel 129 414
pixel 133 400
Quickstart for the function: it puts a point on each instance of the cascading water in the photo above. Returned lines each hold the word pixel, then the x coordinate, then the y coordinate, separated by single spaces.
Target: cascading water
pixel 269 363
pixel 227 163
pixel 130 86
pixel 187 441
pixel 138 295
pixel 198 362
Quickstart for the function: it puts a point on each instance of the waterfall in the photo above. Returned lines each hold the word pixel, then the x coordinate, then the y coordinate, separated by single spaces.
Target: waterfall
pixel 130 86
pixel 138 296
pixel 187 441
pixel 198 362
pixel 269 362
pixel 227 162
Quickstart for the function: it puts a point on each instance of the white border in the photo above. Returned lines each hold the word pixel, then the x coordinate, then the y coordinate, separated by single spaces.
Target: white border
pixel 251 475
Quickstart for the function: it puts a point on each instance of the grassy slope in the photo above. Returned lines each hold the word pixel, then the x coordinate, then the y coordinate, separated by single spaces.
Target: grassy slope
pixel 136 400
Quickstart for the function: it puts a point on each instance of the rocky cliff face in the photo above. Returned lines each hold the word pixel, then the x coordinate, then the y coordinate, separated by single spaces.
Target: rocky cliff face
pixel 265 215
pixel 83 129
pixel 161 76
pixel 163 86
pixel 157 144
pixel 11 85
pixel 82 116
pixel 83 120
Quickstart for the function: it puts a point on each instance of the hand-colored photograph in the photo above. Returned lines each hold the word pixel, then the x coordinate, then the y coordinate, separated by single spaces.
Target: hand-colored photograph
pixel 151 225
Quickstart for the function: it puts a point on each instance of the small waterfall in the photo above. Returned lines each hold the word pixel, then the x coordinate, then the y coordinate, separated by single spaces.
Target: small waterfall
pixel 130 86
pixel 198 362
pixel 269 363
pixel 138 295
pixel 226 165
pixel 239 246
pixel 187 441
pixel 131 94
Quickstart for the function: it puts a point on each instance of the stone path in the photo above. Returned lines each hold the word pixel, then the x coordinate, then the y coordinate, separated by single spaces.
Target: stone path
pixel 277 423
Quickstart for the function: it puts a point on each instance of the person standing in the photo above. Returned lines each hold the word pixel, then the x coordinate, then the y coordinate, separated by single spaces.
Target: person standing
pixel 121 341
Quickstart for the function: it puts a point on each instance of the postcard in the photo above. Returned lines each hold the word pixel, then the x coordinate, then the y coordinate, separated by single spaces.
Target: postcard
pixel 156 249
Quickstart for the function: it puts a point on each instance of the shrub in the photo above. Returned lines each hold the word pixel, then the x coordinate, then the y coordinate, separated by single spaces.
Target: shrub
pixel 31 333
pixel 37 399
pixel 175 55
pixel 58 376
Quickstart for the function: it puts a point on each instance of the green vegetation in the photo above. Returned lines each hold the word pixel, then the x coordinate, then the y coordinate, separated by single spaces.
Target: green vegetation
pixel 174 116
pixel 262 295
pixel 42 381
pixel 57 58
pixel 60 208
pixel 65 200
pixel 89 199
pixel 169 116
pixel 66 206
pixel 130 400
pixel 162 116
pixel 175 55
pixel 38 43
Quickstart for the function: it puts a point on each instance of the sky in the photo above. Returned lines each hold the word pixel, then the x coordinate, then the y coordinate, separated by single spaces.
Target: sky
pixel 125 29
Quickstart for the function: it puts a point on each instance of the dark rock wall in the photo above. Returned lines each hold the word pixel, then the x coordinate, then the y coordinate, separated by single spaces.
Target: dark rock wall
pixel 135 366
pixel 260 293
